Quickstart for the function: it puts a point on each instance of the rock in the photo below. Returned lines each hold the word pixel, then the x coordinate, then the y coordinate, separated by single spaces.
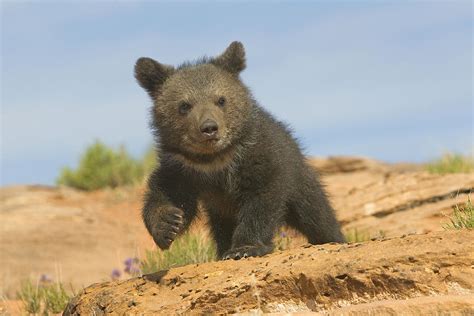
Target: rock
pixel 428 273
pixel 397 203
pixel 344 164
pixel 433 305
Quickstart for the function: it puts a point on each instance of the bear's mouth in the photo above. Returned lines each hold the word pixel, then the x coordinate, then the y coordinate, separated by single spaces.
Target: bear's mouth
pixel 206 146
pixel 210 146
pixel 211 141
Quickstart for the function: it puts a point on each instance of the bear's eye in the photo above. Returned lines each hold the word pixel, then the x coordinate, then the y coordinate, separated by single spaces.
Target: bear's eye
pixel 184 107
pixel 221 101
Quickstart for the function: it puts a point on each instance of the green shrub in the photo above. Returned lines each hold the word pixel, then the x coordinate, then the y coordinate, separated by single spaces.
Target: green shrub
pixel 101 166
pixel 191 247
pixel 43 297
pixel 55 298
pixel 30 295
pixel 451 163
pixel 462 217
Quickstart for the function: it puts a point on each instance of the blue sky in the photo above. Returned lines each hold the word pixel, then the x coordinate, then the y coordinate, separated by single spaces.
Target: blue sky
pixel 387 79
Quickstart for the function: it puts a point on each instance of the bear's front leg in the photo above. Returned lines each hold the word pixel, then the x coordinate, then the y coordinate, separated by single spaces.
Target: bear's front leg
pixel 170 205
pixel 258 220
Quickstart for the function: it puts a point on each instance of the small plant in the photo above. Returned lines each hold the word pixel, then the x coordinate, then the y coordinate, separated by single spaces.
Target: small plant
pixel 30 295
pixel 191 247
pixel 356 235
pixel 131 268
pixel 462 217
pixel 381 234
pixel 116 274
pixel 44 296
pixel 451 163
pixel 101 166
pixel 282 241
pixel 55 298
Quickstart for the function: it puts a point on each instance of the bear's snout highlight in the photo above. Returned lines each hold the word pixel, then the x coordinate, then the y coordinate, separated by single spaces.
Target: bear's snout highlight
pixel 209 129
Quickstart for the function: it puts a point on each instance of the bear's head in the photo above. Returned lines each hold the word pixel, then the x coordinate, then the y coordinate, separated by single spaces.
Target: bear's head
pixel 200 109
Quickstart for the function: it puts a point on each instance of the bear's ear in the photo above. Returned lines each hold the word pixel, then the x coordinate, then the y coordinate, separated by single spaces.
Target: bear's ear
pixel 232 59
pixel 151 74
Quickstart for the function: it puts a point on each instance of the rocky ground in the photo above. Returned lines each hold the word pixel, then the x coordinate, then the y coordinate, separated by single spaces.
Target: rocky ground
pixel 79 237
pixel 423 274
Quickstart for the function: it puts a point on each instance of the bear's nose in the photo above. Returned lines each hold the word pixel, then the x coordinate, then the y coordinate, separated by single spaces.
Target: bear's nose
pixel 209 128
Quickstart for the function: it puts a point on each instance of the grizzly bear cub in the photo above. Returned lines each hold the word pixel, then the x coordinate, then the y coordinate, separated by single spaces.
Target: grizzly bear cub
pixel 218 146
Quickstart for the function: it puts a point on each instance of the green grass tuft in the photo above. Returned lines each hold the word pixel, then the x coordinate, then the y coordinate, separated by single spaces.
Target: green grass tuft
pixel 356 235
pixel 55 298
pixel 462 217
pixel 451 163
pixel 30 295
pixel 101 166
pixel 43 298
pixel 191 247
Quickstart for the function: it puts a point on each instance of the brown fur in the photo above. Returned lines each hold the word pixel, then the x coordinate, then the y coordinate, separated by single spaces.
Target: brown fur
pixel 218 146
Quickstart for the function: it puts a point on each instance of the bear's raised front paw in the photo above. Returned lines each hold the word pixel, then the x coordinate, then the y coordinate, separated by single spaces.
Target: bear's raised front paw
pixel 246 251
pixel 168 226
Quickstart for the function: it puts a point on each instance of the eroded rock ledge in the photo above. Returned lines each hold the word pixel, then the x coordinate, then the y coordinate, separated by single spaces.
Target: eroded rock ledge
pixel 433 270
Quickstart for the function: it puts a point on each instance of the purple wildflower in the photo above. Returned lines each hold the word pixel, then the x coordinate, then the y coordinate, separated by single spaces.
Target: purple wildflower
pixel 283 234
pixel 116 274
pixel 131 266
pixel 44 278
pixel 128 262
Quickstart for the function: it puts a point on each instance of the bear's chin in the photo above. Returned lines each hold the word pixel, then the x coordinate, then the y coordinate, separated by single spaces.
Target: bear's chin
pixel 207 163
